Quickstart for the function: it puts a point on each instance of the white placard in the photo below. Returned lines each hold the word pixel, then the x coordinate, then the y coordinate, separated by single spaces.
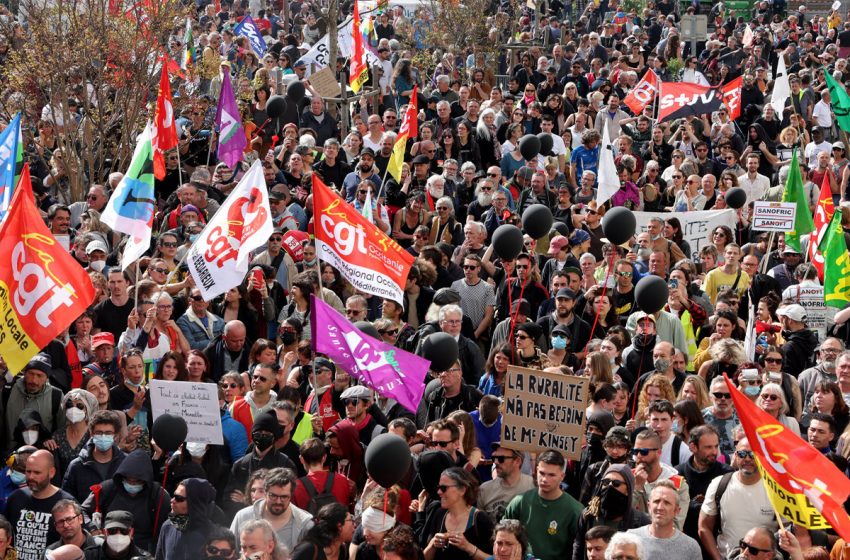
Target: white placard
pixel 696 226
pixel 774 216
pixel 197 403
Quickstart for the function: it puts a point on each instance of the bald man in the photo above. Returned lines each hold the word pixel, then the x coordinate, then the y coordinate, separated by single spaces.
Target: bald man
pixel 29 509
pixel 229 351
pixel 67 552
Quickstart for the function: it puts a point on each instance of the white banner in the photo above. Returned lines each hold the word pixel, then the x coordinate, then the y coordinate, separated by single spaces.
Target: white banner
pixel 774 216
pixel 696 226
pixel 218 260
pixel 318 54
pixel 197 403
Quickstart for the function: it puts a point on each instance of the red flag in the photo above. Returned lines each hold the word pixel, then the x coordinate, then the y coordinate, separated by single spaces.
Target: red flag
pixel 409 129
pixel 365 255
pixel 164 133
pixel 680 99
pixel 823 214
pixel 643 93
pixel 732 96
pixel 802 484
pixel 358 69
pixel 42 288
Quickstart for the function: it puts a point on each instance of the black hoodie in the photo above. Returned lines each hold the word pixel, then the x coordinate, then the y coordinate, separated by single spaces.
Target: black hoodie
pixel 176 544
pixel 799 350
pixel 143 506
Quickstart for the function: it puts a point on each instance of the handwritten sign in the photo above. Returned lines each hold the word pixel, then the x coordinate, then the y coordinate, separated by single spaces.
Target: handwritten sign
pixel 774 216
pixel 197 403
pixel 696 226
pixel 325 83
pixel 544 411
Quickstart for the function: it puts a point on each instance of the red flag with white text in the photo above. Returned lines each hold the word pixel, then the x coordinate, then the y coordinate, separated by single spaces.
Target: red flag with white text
pixel 643 93
pixel 732 96
pixel 823 214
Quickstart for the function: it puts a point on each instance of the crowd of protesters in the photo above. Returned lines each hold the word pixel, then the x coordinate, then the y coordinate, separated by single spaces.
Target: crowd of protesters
pixel 665 469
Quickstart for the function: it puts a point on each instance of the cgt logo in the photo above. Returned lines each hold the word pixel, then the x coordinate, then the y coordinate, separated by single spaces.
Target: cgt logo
pixel 36 287
pixel 346 237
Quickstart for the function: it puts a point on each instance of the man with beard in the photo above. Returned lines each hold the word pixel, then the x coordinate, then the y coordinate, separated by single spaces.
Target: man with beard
pixel 823 371
pixel 700 470
pixel 289 522
pixel 784 273
pixel 494 495
pixel 723 505
pixel 365 172
pixel 650 472
pixel 611 505
pixel 29 509
pixel 565 301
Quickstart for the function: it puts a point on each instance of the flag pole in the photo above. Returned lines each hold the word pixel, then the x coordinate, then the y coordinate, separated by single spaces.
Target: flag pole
pixel 383 181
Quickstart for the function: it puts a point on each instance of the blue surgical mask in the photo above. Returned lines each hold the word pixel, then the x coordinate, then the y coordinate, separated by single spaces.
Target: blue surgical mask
pixel 131 384
pixel 17 478
pixel 193 237
pixel 103 443
pixel 752 390
pixel 132 488
pixel 559 342
pixel 675 428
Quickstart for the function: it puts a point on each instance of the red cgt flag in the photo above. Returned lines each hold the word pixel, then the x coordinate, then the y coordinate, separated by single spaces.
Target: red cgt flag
pixel 823 214
pixel 803 485
pixel 42 288
pixel 643 93
pixel 164 131
pixel 732 96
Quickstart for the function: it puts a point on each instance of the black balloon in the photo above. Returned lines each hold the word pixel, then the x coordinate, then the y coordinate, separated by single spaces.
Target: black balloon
pixel 537 221
pixel 295 91
pixel 546 143
pixel 368 328
pixel 387 459
pixel 441 350
pixel 736 197
pixel 529 146
pixel 507 242
pixel 651 294
pixel 275 106
pixel 619 225
pixel 169 431
pixel 561 228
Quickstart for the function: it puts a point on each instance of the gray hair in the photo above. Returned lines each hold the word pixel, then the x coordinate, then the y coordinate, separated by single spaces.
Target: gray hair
pixel 162 295
pixel 441 79
pixel 447 200
pixel 481 128
pixel 279 552
pixel 728 350
pixel 467 165
pixel 449 308
pixel 479 226
pixel 430 182
pixel 587 256
pixel 624 539
pixel 443 103
pixel 389 134
pixel 776 388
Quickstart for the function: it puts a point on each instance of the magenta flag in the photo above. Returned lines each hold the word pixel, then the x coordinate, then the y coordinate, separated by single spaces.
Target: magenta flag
pixel 231 135
pixel 390 371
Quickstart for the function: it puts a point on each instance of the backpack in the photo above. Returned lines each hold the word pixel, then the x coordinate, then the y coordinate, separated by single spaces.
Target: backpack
pixel 317 501
pixel 721 489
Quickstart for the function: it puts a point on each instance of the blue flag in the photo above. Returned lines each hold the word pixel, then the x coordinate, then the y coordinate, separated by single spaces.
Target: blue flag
pixel 11 155
pixel 247 28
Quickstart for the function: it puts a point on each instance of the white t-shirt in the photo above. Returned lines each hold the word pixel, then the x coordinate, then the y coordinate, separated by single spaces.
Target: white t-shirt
pixel 742 507
pixel 558 146
pixel 667 452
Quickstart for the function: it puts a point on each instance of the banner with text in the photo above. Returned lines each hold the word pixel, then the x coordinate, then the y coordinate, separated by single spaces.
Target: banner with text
pixel 774 216
pixel 696 226
pixel 197 403
pixel 544 411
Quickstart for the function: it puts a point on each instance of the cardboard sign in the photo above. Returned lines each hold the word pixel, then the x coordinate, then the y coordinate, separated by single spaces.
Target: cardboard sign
pixel 197 403
pixel 325 83
pixel 774 216
pixel 696 226
pixel 544 411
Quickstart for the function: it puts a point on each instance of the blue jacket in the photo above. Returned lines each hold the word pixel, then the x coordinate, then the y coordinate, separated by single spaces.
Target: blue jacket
pixel 194 331
pixel 234 436
pixel 6 487
pixel 83 473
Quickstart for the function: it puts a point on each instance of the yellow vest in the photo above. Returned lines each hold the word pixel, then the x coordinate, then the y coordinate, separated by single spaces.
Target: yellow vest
pixel 690 338
pixel 304 429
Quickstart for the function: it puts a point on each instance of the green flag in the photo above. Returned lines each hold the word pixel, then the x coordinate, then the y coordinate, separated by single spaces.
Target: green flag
pixel 840 102
pixel 803 223
pixel 836 276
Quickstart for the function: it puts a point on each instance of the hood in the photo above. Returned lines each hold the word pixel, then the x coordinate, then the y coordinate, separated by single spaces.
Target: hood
pixel 603 420
pixel 200 495
pixel 431 466
pixel 349 440
pixel 136 465
pixel 29 419
pixel 644 342
pixel 626 472
pixel 805 337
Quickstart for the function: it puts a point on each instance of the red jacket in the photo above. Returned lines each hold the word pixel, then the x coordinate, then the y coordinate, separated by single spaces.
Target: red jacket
pixel 326 410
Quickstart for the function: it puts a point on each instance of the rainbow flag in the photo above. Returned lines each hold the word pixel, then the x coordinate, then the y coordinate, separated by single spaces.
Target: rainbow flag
pixel 189 46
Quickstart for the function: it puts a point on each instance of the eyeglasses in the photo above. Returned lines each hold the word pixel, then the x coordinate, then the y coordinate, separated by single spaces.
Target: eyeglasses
pixel 260 378
pixel 624 274
pixel 99 433
pixel 278 497
pixel 229 386
pixel 722 395
pixel 117 531
pixel 219 552
pixel 363 191
pixel 643 451
pixel 91 197
pixel 773 360
pixel 442 209
pixel 353 311
pixel 79 405
pixel 770 397
pixel 753 549
pixel 441 443
pixel 179 499
pixel 66 520
pixel 444 487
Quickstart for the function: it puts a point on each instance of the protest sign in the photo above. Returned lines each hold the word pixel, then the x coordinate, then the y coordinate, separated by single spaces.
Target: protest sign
pixel 544 411
pixel 774 216
pixel 197 403
pixel 696 226
pixel 811 297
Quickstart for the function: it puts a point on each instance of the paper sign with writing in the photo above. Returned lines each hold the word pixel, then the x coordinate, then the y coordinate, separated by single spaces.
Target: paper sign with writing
pixel 695 225
pixel 544 411
pixel 325 82
pixel 774 216
pixel 197 403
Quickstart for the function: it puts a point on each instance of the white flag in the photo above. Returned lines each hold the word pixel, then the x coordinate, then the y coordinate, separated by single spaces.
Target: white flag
pixel 608 179
pixel 781 87
pixel 751 337
pixel 218 260
pixel 131 207
pixel 748 36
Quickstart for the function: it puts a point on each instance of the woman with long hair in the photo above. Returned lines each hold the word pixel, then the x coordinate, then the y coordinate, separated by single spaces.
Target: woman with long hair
pixel 526 352
pixel 673 232
pixel 651 186
pixel 299 304
pixel 686 416
pixel 235 306
pixel 695 389
pixel 828 399
pixel 447 145
pixel 453 528
pixel 597 367
pixel 466 145
pixel 197 367
pixel 172 367
pixel 468 442
pixel 510 541
pixel 78 406
pixel 721 236
pixel 495 371
pixel 603 307
pixel 408 219
pixel 403 82
pixel 656 388
pixel 485 138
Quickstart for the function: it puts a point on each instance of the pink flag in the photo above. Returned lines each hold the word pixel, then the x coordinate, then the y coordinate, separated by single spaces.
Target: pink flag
pixel 390 371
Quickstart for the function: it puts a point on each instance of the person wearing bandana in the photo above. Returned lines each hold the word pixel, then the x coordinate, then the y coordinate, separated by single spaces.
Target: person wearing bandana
pixel 190 522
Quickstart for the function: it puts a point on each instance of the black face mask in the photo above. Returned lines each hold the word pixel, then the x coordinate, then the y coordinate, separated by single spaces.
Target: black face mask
pixel 180 522
pixel 287 337
pixel 618 460
pixel 263 441
pixel 613 503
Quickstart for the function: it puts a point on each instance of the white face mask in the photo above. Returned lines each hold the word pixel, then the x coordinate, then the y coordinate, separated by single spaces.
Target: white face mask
pixel 118 543
pixel 196 449
pixel 75 415
pixel 30 436
pixel 97 265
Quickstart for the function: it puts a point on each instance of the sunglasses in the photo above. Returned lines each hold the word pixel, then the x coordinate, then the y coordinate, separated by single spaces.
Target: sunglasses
pixel 522 337
pixel 610 482
pixel 625 274
pixel 117 531
pixel 196 298
pixel 160 270
pixel 219 552
pixel 229 386
pixel 444 487
pixel 261 378
pixel 752 549
pixel 179 499
pixel 391 332
pixel 643 451
pixel 773 360
pixel 769 397
pixel 276 237
pixel 441 444
pixel 470 266
pixel 169 244
pixel 502 458
pixel 744 454
pixel 70 404
pixel 522 266
pixel 722 395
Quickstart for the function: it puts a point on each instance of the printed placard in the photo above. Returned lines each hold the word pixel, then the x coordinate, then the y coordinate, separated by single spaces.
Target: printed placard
pixel 774 216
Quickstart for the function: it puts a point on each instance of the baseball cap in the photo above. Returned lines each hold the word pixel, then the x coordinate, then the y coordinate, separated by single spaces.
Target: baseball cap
pixel 522 306
pixel 96 245
pixel 102 338
pixel 118 518
pixel 794 312
pixel 643 315
pixel 565 293
pixel 556 244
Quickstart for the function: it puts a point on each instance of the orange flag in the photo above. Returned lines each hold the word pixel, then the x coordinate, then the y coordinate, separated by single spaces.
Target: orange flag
pixel 164 129
pixel 42 288
pixel 823 214
pixel 803 485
